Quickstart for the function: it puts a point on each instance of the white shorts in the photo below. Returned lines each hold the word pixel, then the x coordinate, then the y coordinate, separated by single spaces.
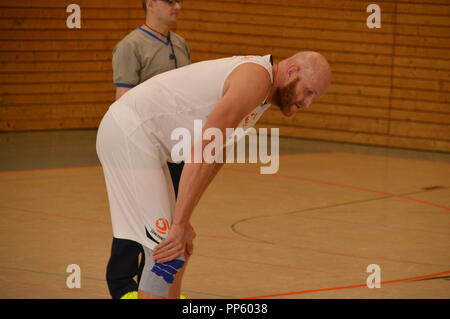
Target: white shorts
pixel 140 192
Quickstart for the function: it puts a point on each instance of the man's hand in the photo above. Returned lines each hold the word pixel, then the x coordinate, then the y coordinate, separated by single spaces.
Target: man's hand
pixel 180 238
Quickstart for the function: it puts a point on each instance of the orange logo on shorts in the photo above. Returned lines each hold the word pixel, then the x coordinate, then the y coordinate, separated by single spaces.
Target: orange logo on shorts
pixel 162 226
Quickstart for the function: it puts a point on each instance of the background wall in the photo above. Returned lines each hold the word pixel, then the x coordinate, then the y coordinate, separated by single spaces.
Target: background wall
pixel 391 86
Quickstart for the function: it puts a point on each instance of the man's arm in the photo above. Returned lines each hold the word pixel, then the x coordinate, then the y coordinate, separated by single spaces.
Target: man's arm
pixel 121 91
pixel 246 87
pixel 126 67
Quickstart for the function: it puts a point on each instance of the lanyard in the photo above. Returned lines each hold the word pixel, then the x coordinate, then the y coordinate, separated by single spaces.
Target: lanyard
pixel 172 55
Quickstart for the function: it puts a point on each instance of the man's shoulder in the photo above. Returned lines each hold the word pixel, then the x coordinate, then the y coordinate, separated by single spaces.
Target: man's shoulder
pixel 176 37
pixel 252 70
pixel 131 38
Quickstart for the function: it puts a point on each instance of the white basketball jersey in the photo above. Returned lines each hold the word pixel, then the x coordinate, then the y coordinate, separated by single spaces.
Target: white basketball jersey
pixel 177 98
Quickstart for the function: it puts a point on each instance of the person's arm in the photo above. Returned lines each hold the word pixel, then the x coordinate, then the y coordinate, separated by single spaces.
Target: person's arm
pixel 246 88
pixel 188 52
pixel 190 233
pixel 121 91
pixel 126 67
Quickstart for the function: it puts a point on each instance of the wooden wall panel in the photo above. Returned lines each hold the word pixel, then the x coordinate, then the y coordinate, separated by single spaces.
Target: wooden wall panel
pixel 52 77
pixel 391 86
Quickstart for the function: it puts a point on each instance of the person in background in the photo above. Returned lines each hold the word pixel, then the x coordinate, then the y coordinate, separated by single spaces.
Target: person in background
pixel 147 51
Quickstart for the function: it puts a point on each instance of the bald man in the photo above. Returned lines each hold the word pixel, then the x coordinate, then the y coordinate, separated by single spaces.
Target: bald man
pixel 134 142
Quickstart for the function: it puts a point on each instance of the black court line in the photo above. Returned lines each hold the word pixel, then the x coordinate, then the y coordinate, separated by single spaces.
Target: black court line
pixel 426 189
pixel 102 280
pixel 434 278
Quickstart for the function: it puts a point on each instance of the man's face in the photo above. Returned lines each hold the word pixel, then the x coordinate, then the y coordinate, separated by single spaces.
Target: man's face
pixel 167 10
pixel 295 95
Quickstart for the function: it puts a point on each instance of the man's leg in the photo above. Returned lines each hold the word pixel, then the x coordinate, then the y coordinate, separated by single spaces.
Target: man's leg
pixel 141 265
pixel 175 173
pixel 175 289
pixel 158 278
pixel 122 267
pixel 175 170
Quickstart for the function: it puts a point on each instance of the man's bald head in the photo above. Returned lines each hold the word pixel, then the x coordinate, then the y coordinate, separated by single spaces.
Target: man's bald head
pixel 300 79
pixel 313 64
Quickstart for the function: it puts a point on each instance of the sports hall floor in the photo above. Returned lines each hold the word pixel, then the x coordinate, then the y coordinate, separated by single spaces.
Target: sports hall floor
pixel 309 231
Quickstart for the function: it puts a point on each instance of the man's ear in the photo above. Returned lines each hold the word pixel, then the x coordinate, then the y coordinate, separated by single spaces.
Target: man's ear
pixel 149 4
pixel 292 71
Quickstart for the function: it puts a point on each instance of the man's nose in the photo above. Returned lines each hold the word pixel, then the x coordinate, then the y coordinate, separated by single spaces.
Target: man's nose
pixel 308 101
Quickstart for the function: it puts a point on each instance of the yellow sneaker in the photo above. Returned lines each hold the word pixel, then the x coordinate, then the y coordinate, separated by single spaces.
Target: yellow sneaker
pixel 130 295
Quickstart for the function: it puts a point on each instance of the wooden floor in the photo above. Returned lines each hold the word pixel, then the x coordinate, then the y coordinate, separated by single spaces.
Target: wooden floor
pixel 309 231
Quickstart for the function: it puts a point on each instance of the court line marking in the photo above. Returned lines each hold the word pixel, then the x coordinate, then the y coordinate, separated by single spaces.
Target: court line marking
pixel 426 160
pixel 278 176
pixel 307 180
pixel 87 278
pixel 356 188
pixel 261 263
pixel 255 172
pixel 330 252
pixel 353 188
pixel 35 212
pixel 6 171
pixel 104 223
pixel 241 240
pixel 46 169
pixel 228 238
pixel 347 287
pixel 280 155
pixel 46 273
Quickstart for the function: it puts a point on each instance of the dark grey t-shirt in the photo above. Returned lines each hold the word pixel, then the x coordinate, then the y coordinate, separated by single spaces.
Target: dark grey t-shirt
pixel 142 55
